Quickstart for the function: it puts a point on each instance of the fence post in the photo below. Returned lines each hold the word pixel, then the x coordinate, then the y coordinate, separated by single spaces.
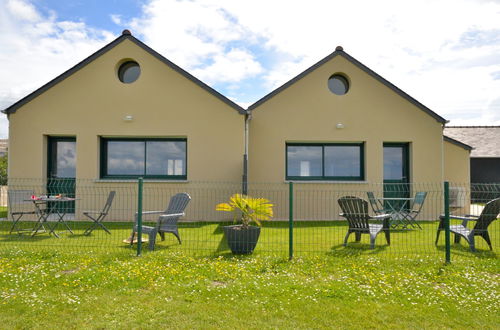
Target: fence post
pixel 139 217
pixel 290 221
pixel 447 221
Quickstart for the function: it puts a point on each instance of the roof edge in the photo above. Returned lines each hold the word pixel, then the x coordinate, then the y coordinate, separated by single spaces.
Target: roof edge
pixel 339 51
pixel 457 143
pixel 125 35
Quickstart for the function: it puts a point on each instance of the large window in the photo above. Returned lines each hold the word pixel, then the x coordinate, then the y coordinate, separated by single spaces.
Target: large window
pixel 148 158
pixel 331 161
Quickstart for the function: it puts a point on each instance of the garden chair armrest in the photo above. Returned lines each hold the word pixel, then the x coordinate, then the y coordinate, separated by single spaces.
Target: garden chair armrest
pixel 151 212
pixel 172 215
pixel 380 217
pixel 465 219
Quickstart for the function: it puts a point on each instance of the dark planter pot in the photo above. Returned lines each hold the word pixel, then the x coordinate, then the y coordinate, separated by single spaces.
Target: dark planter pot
pixel 241 241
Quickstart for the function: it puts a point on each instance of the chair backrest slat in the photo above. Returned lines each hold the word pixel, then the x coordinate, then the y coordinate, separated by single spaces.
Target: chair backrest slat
pixel 355 210
pixel 177 204
pixel 489 213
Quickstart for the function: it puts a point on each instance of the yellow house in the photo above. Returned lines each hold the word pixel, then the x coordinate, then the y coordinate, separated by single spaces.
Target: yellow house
pixel 122 113
pixel 127 112
pixel 340 128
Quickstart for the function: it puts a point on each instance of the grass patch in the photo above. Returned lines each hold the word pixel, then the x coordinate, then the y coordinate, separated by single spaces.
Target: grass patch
pixel 96 289
pixel 3 211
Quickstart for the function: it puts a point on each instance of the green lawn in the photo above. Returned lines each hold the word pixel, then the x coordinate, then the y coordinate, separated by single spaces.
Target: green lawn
pixel 97 282
pixel 3 211
pixel 172 290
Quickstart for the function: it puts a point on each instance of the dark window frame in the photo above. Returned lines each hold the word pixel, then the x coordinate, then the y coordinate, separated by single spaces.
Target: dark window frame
pixel 124 67
pixel 323 177
pixel 341 78
pixel 104 159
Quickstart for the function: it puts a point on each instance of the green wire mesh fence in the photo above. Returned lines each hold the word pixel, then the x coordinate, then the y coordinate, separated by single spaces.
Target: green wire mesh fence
pixel 68 214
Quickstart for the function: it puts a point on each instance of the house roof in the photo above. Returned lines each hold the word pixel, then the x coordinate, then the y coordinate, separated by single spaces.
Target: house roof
pixel 457 143
pixel 339 51
pixel 126 35
pixel 484 139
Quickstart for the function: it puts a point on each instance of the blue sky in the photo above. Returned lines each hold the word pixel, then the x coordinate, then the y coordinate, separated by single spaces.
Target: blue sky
pixel 93 12
pixel 444 53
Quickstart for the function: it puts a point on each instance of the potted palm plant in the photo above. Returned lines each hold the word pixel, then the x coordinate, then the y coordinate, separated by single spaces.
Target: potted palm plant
pixel 242 238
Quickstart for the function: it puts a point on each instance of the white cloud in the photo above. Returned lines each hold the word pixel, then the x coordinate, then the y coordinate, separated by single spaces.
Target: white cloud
pixel 22 10
pixel 232 66
pixel 187 32
pixel 117 19
pixel 35 49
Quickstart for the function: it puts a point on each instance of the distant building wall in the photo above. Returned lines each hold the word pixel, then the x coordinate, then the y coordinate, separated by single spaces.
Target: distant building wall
pixel 485 170
pixel 456 163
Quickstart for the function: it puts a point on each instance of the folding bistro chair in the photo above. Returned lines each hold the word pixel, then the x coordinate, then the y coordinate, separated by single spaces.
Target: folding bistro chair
pixel 410 216
pixel 20 205
pixel 98 216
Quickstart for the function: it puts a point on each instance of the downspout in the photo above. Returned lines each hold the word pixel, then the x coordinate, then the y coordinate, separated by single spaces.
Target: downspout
pixel 248 117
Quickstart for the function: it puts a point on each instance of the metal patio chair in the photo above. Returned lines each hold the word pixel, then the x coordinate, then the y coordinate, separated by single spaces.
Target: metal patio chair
pixel 98 216
pixel 410 216
pixel 20 205
pixel 167 220
pixel 488 215
pixel 355 210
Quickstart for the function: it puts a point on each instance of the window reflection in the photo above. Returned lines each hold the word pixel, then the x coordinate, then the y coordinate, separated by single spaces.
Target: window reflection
pixel 304 161
pixel 145 158
pixel 125 158
pixel 342 161
pixel 66 159
pixel 165 158
pixel 393 163
pixel 325 162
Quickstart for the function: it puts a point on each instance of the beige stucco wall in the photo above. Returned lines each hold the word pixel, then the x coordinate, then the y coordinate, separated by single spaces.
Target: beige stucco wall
pixel 371 113
pixel 92 103
pixel 457 173
pixel 456 164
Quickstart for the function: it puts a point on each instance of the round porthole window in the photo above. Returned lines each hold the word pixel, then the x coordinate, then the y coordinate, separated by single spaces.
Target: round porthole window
pixel 129 72
pixel 338 84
